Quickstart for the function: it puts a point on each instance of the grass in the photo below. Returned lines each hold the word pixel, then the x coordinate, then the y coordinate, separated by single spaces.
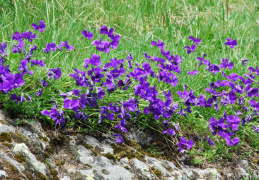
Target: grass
pixel 138 23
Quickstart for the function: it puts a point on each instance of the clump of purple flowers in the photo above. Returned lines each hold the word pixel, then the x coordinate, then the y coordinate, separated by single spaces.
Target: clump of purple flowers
pixel 99 80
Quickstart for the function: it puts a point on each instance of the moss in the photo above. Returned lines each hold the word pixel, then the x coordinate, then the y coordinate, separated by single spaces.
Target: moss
pixel 94 152
pixel 127 167
pixel 87 146
pixel 46 155
pixel 13 168
pixel 89 166
pixel 109 156
pixel 58 141
pixel 53 172
pixel 44 138
pixel 40 175
pixel 20 158
pixel 50 150
pixel 60 163
pixel 157 172
pixel 9 145
pixel 5 137
pixel 19 138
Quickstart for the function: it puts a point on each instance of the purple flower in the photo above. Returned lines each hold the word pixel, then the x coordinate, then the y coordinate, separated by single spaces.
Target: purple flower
pixel 3 46
pixel 37 62
pixel 29 97
pixel 57 116
pixel 56 73
pixel 50 47
pixel 19 47
pixel 169 131
pixel 65 44
pixel 256 129
pixel 38 94
pixel 44 83
pixel 233 122
pixel 158 44
pixel 197 41
pixel 71 104
pixel 214 68
pixel 15 98
pixel 118 138
pixel 190 49
pixel 209 140
pixel 230 142
pixel 94 60
pixel 183 143
pixel 244 61
pixel 103 46
pixel 41 26
pixel 231 43
pixel 217 126
pixel 104 30
pixel 88 34
pixel 193 72
pixel 181 112
pixel 226 64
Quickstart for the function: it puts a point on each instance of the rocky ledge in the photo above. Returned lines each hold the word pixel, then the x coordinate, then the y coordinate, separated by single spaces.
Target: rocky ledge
pixel 29 152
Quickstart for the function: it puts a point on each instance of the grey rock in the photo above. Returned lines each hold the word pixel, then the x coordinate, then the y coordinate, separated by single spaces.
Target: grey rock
pixel 92 141
pixel 157 164
pixel 3 174
pixel 107 149
pixel 65 178
pixel 143 169
pixel 210 173
pixel 22 148
pixel 14 163
pixel 139 136
pixel 244 163
pixel 241 173
pixel 5 128
pixel 85 156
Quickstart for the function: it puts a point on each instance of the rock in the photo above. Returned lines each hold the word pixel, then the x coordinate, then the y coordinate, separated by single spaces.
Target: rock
pixel 241 173
pixel 92 141
pixel 152 162
pixel 65 178
pixel 5 128
pixel 37 165
pixel 142 169
pixel 14 163
pixel 3 174
pixel 85 156
pixel 139 136
pixel 210 173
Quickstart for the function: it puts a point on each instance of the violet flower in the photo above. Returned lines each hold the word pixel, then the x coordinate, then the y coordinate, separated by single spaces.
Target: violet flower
pixel 169 131
pixel 50 47
pixel 55 73
pixel 41 27
pixel 118 138
pixel 197 41
pixel 37 62
pixel 184 143
pixel 190 49
pixel 209 140
pixel 256 129
pixel 193 72
pixel 244 61
pixel 88 34
pixel 226 64
pixel 94 60
pixel 231 43
pixel 65 44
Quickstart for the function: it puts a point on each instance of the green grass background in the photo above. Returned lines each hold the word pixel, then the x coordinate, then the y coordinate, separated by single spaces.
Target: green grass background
pixel 138 23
